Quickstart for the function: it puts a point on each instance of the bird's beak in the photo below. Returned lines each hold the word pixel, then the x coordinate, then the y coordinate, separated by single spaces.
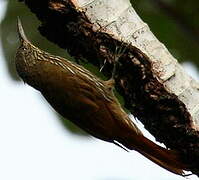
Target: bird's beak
pixel 21 34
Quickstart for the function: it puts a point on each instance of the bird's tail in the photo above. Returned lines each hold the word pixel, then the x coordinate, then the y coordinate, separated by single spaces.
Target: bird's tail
pixel 168 159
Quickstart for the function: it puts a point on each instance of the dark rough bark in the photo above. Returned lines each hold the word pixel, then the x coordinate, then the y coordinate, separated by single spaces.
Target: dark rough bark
pixel 161 112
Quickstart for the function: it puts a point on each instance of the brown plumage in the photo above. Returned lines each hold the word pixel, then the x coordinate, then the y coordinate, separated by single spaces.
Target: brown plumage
pixel 87 101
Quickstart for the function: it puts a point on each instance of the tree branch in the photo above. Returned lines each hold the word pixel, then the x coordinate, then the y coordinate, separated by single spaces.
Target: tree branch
pixel 155 87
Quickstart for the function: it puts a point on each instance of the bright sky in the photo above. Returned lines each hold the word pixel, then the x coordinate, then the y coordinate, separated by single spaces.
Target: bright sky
pixel 35 146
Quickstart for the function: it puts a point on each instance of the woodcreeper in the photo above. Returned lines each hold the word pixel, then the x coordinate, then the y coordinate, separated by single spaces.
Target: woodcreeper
pixel 87 101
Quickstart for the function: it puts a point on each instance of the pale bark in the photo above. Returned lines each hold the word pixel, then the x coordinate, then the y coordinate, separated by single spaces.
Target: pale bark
pixel 120 20
pixel 155 87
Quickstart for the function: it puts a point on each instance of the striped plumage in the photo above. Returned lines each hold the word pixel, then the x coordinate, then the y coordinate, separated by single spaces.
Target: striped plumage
pixel 87 101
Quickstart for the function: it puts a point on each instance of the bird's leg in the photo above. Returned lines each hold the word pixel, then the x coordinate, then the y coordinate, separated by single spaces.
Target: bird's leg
pixel 119 51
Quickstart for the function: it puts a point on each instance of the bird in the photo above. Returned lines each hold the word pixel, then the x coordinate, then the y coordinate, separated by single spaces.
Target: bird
pixel 89 102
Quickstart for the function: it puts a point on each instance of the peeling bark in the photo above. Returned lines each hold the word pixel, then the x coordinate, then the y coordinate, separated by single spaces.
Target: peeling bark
pixel 155 87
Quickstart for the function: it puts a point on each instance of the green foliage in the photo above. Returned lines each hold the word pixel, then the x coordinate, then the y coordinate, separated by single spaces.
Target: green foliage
pixel 177 26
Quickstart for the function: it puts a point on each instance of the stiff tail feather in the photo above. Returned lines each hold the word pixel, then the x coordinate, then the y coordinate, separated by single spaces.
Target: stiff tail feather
pixel 167 159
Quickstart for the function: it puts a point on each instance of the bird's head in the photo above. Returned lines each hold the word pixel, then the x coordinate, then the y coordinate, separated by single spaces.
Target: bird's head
pixel 26 57
pixel 25 47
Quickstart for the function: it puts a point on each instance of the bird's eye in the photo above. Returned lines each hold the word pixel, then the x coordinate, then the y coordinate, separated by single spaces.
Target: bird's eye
pixel 24 48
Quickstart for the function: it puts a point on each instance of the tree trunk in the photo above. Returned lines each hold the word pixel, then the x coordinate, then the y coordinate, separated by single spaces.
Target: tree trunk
pixel 155 87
